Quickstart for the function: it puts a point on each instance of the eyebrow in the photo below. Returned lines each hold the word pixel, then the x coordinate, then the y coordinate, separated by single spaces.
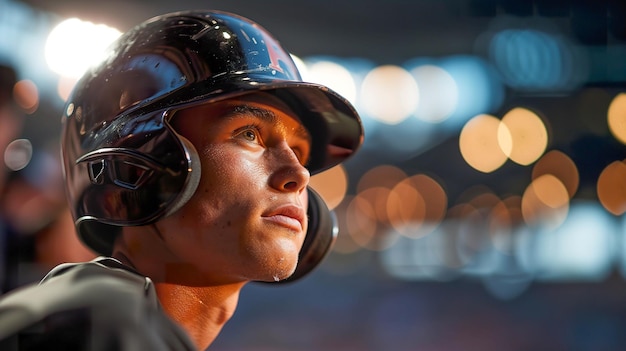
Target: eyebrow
pixel 270 117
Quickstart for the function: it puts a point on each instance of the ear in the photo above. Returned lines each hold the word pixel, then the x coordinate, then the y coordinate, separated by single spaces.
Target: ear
pixel 320 237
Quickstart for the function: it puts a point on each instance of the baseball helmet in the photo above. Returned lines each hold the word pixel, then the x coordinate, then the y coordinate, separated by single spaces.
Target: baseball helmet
pixel 124 164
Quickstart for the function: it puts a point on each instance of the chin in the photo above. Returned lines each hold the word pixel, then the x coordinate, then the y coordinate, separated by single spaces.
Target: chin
pixel 274 262
pixel 283 274
pixel 281 271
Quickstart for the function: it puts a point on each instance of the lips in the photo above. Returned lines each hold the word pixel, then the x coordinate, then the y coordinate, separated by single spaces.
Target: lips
pixel 289 216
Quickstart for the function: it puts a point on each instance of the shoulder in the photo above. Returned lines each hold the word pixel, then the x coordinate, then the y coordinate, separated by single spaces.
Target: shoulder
pixel 97 305
pixel 96 282
pixel 78 285
pixel 96 295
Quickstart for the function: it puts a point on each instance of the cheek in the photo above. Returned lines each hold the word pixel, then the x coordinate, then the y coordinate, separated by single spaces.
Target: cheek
pixel 228 173
pixel 304 200
pixel 215 163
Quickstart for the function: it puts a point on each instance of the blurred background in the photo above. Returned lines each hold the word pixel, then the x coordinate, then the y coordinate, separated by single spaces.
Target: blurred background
pixel 485 210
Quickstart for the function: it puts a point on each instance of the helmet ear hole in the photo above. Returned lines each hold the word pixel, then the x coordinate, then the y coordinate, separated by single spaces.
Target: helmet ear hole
pixel 193 175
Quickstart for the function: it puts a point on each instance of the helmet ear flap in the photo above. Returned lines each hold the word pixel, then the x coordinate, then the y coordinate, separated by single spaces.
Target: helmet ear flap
pixel 193 178
pixel 320 237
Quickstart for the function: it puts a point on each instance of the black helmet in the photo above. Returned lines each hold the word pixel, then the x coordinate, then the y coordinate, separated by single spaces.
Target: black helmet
pixel 125 165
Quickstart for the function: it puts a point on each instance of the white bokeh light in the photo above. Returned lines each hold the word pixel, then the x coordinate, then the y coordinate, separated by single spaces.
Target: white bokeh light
pixel 389 94
pixel 334 76
pixel 439 93
pixel 18 154
pixel 73 45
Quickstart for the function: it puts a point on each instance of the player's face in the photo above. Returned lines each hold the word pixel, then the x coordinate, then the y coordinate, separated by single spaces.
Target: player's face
pixel 247 219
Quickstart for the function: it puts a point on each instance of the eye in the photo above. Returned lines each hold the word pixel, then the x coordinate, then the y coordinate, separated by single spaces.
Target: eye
pixel 250 133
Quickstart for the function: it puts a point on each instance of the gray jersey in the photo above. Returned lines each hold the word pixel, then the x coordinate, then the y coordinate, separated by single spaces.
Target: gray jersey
pixel 96 306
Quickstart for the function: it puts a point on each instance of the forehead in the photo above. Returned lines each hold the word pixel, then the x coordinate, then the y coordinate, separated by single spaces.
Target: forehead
pixel 265 99
pixel 259 105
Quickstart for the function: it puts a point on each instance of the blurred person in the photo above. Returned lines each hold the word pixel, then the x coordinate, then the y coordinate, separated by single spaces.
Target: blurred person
pixel 39 221
pixel 9 117
pixel 11 127
pixel 57 242
pixel 187 154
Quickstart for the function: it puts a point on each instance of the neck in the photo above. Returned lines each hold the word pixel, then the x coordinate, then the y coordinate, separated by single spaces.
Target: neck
pixel 201 311
pixel 197 303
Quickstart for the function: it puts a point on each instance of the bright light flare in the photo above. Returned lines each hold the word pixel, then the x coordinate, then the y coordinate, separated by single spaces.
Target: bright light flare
pixel 74 45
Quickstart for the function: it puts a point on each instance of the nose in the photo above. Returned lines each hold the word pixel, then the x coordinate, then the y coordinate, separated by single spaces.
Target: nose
pixel 289 174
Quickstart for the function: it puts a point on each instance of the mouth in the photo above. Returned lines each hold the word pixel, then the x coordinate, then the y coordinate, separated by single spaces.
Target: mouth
pixel 289 216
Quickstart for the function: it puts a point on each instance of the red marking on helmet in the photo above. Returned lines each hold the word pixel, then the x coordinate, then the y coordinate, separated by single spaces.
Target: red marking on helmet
pixel 274 55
